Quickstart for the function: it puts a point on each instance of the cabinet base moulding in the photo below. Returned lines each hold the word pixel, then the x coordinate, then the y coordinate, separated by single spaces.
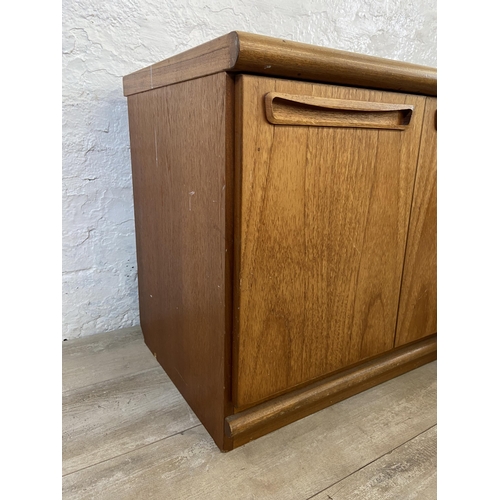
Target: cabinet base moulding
pixel 283 410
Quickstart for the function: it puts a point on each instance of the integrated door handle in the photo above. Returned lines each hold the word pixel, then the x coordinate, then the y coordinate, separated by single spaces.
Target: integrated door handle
pixel 290 109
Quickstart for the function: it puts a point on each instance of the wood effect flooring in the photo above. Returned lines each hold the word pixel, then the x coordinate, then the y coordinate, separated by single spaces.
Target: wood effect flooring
pixel 128 434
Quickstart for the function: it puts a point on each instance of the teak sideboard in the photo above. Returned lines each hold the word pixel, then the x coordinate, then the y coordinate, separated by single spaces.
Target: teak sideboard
pixel 285 211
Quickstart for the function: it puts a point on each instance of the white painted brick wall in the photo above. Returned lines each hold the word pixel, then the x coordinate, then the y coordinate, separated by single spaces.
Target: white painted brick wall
pixel 102 41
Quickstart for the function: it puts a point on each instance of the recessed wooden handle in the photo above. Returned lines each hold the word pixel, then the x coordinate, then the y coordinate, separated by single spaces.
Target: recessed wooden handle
pixel 289 109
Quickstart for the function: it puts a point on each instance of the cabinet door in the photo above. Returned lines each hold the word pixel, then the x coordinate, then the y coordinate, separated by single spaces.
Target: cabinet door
pixel 323 199
pixel 418 307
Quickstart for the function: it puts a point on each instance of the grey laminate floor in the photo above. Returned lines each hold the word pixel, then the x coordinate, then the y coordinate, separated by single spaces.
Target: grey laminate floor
pixel 128 434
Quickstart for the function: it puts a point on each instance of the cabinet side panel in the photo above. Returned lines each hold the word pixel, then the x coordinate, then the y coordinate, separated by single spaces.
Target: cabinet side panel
pixel 179 158
pixel 418 305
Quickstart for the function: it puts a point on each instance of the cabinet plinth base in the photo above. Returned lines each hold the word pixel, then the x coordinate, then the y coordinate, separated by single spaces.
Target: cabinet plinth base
pixel 271 415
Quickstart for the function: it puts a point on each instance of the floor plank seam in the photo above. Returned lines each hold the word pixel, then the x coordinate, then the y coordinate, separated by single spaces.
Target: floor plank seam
pixel 133 374
pixel 371 462
pixel 130 451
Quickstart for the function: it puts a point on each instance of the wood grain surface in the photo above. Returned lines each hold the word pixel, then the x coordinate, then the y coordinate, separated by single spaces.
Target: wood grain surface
pixel 207 59
pixel 320 239
pixel 418 305
pixel 284 58
pixel 271 415
pixel 182 181
pixel 242 52
pixel 288 109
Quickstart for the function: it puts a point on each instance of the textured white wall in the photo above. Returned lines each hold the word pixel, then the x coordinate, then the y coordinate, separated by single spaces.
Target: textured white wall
pixel 102 41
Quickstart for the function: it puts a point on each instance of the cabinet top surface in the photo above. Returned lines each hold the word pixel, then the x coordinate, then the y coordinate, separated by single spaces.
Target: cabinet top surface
pixel 241 52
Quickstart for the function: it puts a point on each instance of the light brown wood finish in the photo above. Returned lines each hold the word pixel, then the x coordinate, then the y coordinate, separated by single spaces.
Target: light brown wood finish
pixel 246 52
pixel 269 416
pixel 288 109
pixel 295 462
pixel 418 305
pixel 324 214
pixel 180 146
pixel 277 57
pixel 296 278
pixel 206 59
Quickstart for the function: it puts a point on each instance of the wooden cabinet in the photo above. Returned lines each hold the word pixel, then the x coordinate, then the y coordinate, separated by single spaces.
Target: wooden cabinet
pixel 418 302
pixel 285 206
